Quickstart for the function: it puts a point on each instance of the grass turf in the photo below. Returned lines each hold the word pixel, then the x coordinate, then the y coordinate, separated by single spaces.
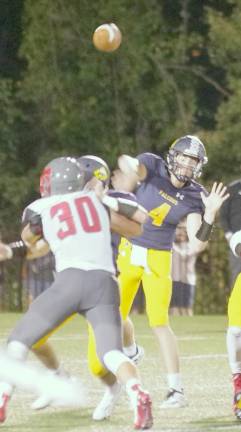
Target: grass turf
pixel 206 379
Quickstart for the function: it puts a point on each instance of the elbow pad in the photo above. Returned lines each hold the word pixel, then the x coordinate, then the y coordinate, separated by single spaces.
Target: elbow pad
pixel 126 208
pixel 122 206
pixel 235 244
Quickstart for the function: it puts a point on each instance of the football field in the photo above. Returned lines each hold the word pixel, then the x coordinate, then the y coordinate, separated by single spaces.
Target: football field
pixel 205 371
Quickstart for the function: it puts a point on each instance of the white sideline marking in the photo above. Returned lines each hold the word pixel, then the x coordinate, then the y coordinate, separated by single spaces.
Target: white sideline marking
pixel 207 427
pixel 83 336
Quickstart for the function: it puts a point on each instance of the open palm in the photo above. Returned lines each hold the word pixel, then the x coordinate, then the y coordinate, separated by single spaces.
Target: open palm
pixel 215 199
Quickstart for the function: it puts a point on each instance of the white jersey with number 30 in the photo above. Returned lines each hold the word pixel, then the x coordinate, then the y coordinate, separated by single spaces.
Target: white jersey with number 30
pixel 77 228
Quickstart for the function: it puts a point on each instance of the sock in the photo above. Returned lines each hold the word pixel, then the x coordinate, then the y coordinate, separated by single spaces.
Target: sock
pixel 234 349
pixel 112 389
pixel 130 350
pixel 60 372
pixel 174 381
pixel 132 386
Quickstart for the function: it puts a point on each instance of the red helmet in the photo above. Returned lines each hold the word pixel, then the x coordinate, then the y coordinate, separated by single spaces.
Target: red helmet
pixel 60 176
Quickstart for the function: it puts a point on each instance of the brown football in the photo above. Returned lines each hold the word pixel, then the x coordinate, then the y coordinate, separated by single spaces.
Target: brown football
pixel 107 37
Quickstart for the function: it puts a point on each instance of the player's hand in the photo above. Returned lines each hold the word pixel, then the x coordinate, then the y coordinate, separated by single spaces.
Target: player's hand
pixel 97 186
pixel 215 199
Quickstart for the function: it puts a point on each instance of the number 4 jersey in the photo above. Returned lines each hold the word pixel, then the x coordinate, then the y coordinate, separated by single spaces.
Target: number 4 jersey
pixel 77 228
pixel 165 203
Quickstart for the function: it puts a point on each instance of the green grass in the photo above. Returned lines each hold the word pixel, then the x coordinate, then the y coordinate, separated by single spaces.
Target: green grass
pixel 206 379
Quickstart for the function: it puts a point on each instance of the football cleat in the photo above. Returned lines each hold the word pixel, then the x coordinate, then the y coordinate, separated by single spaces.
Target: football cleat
pixel 237 406
pixel 174 399
pixel 142 408
pixel 42 402
pixel 106 405
pixel 237 396
pixel 137 357
pixel 59 391
pixel 3 407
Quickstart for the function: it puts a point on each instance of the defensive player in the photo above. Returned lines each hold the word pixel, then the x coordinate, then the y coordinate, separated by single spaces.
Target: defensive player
pixel 169 192
pixel 67 219
pixel 94 168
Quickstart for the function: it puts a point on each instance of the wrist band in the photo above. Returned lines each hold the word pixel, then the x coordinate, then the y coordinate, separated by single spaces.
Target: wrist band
pixel 17 248
pixel 204 231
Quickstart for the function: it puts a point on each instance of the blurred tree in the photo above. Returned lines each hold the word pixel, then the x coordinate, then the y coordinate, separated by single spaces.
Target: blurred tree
pixel 225 53
pixel 176 72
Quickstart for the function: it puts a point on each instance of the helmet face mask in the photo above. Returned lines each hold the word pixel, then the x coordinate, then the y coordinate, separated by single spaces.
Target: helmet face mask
pixel 61 175
pixel 186 158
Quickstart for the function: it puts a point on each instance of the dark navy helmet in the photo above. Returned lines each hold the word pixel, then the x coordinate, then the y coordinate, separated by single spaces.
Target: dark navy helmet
pixel 188 145
pixel 61 175
pixel 94 166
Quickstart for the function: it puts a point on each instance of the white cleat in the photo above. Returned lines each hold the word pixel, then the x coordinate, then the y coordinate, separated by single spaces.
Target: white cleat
pixel 42 402
pixel 106 405
pixel 174 399
pixel 60 392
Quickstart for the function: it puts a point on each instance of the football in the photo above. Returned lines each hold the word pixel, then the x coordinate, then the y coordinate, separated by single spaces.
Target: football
pixel 107 37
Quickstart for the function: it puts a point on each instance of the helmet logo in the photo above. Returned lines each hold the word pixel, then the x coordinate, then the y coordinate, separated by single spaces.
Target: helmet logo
pixel 45 182
pixel 101 173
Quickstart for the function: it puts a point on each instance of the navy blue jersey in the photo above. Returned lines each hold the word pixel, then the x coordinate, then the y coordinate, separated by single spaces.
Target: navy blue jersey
pixel 165 203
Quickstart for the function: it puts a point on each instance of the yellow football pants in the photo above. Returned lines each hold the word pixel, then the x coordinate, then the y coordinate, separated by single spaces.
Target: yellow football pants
pixel 156 281
pixel 234 304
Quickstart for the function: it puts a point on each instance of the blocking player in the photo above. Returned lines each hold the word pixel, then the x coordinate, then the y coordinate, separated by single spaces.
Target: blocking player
pixel 169 191
pixel 68 218
pixel 112 387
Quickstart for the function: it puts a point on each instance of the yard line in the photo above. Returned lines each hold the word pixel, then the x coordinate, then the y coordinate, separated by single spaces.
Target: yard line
pixel 204 356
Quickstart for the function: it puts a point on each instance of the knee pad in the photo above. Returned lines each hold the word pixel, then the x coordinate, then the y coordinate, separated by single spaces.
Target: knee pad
pixel 114 359
pixel 17 350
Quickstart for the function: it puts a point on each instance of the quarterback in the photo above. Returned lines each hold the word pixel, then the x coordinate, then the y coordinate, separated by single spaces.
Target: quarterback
pixel 169 191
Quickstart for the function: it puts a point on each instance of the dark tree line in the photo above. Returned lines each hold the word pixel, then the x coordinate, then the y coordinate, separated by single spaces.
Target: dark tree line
pixel 177 72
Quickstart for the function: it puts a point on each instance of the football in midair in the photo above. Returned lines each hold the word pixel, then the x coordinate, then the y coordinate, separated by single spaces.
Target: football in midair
pixel 107 37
